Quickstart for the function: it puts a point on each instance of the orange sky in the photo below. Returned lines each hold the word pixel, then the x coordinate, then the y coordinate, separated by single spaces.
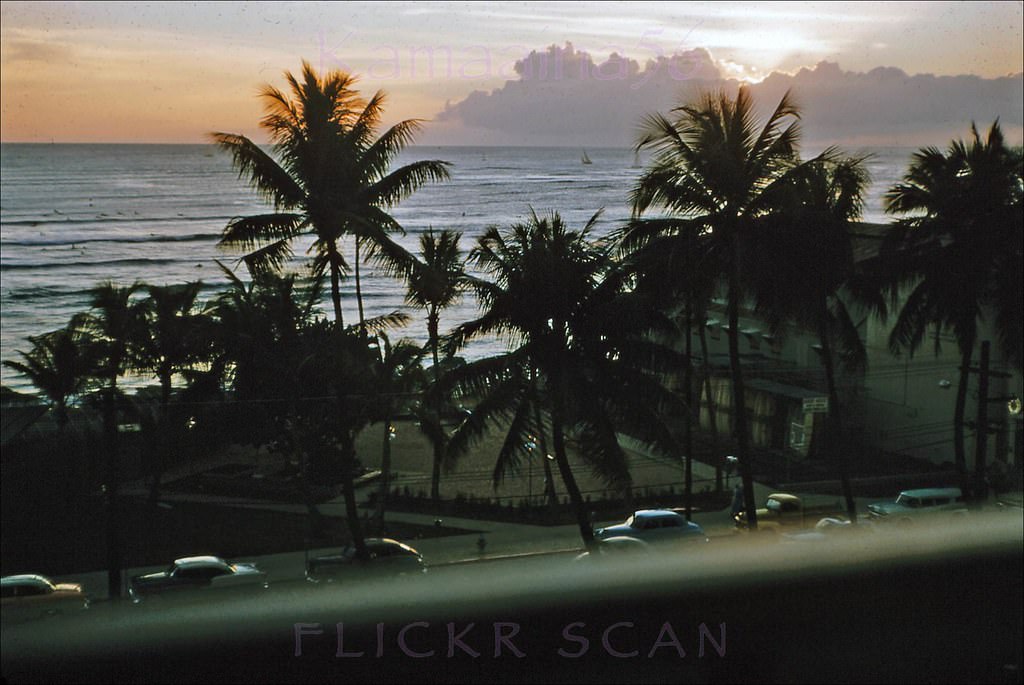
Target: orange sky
pixel 121 72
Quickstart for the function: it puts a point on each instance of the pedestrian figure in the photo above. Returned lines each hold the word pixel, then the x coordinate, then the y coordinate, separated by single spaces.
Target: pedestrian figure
pixel 481 543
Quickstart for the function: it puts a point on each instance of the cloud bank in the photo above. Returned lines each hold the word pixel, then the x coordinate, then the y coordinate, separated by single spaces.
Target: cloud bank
pixel 562 96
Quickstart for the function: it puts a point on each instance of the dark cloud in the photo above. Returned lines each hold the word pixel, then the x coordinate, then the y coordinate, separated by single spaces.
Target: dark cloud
pixel 564 97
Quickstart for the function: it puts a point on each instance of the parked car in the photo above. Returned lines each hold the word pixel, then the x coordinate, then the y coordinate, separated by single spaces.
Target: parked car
pixel 783 510
pixel 197 573
pixel 829 529
pixel 911 504
pixel 617 547
pixel 387 557
pixel 655 525
pixel 30 596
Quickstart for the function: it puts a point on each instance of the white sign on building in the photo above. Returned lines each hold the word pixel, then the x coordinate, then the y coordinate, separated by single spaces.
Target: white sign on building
pixel 816 405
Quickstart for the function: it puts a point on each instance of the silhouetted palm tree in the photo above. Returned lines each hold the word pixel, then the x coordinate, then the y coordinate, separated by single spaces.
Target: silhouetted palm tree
pixel 172 326
pixel 713 167
pixel 812 238
pixel 58 365
pixel 170 345
pixel 577 349
pixel 671 260
pixel 332 179
pixel 114 326
pixel 259 324
pixel 436 282
pixel 344 364
pixel 400 376
pixel 959 251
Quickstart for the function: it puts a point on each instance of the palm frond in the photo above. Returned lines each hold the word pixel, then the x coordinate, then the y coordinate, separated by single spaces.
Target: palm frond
pixel 265 175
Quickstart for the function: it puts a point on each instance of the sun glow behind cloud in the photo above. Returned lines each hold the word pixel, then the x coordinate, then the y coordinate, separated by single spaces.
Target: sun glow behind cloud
pixel 167 72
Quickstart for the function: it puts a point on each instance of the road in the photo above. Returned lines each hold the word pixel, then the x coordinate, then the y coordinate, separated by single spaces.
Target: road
pixel 932 604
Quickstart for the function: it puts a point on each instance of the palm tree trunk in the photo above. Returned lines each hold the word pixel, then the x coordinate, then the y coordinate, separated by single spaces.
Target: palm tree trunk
pixel 435 475
pixel 959 412
pixel 550 496
pixel 359 294
pixel 836 439
pixel 385 475
pixel 562 459
pixel 60 413
pixel 115 553
pixel 739 407
pixel 712 412
pixel 161 450
pixel 688 424
pixel 349 491
pixel 334 257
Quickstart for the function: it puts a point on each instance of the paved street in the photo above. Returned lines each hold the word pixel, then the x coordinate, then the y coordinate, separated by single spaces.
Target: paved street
pixel 501 540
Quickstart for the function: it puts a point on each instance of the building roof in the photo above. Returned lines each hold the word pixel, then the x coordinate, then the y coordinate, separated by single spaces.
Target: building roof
pixel 867 239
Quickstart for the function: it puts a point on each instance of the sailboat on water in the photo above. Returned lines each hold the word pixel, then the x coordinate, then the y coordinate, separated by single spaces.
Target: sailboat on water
pixel 586 159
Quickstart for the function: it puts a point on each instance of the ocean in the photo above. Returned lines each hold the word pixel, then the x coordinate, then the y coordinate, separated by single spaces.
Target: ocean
pixel 72 216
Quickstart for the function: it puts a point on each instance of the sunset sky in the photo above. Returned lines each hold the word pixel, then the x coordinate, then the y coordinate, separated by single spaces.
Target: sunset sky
pixel 127 72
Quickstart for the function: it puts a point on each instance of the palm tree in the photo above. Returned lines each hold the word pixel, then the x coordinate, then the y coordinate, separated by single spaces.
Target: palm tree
pixel 172 320
pixel 958 248
pixel 332 179
pixel 259 325
pixel 399 377
pixel 714 169
pixel 669 263
pixel 343 363
pixel 436 282
pixel 264 330
pixel 171 346
pixel 820 200
pixel 58 365
pixel 114 325
pixel 578 354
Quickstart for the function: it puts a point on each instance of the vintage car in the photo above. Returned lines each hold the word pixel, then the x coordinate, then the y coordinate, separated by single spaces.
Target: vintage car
pixel 30 596
pixel 785 511
pixel 387 557
pixel 197 573
pixel 655 525
pixel 615 548
pixel 912 504
pixel 831 529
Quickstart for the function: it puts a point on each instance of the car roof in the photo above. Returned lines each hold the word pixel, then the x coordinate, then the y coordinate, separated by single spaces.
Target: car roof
pixel 932 492
pixel 383 542
pixel 783 497
pixel 200 561
pixel 25 578
pixel 388 542
pixel 651 513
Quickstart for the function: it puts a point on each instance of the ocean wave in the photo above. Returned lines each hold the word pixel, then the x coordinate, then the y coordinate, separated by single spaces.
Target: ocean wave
pixel 63 220
pixel 136 261
pixel 42 292
pixel 80 240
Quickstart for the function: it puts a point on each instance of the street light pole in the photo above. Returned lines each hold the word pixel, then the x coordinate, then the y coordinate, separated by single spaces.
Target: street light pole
pixel 981 432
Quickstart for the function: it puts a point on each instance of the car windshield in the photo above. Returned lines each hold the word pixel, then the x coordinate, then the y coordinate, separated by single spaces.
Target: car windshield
pixel 908 501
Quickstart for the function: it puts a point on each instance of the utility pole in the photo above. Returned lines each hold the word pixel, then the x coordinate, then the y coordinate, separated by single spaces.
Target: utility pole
pixel 981 432
pixel 981 427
